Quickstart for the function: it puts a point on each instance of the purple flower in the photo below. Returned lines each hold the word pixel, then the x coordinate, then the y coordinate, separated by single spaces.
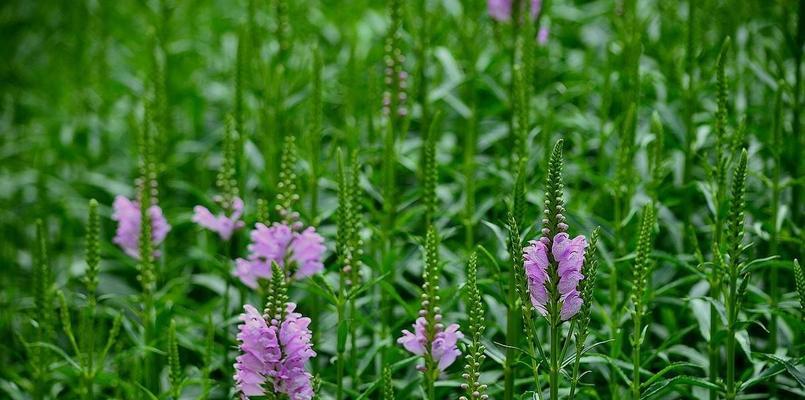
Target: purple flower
pixel 443 349
pixel 542 35
pixel 501 10
pixel 220 224
pixel 279 243
pixel 260 350
pixel 569 255
pixel 274 355
pixel 292 377
pixel 127 236
pixel 536 264
pixel 307 249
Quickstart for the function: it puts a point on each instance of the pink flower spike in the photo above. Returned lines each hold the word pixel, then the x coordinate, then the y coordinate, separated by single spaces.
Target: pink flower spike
pixel 443 349
pixel 535 263
pixel 280 243
pixel 542 35
pixel 571 304
pixel 500 10
pixel 221 224
pixel 127 236
pixel 308 248
pixel 273 355
pixel 415 342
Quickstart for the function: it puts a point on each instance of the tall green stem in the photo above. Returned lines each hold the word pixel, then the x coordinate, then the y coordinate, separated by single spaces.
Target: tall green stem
pixel 638 329
pixel 690 103
pixel 731 319
pixel 339 393
pixel 512 335
pixel 554 370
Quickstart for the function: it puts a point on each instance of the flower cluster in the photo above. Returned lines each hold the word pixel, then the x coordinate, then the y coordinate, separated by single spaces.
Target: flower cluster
pixel 430 338
pixel 274 354
pixel 222 224
pixel 298 252
pixel 569 255
pixel 443 348
pixel 127 214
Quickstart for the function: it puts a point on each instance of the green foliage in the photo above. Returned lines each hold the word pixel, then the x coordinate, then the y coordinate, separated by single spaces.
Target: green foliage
pixel 554 190
pixel 43 286
pixel 227 175
pixel 349 244
pixel 388 384
pixel 287 194
pixel 642 265
pixel 262 211
pixel 474 354
pixel 799 277
pixel 587 288
pixel 175 370
pixel 430 169
pixel 735 220
pixel 277 301
pixel 93 250
pixel 641 273
pixel 652 105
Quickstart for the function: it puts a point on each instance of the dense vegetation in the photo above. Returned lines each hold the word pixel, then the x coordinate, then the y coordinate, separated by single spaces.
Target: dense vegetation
pixel 566 199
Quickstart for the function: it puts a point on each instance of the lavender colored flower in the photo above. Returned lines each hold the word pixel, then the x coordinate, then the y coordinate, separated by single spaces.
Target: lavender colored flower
pixel 307 249
pixel 536 265
pixel 260 349
pixel 303 251
pixel 127 236
pixel 294 334
pixel 443 349
pixel 501 10
pixel 224 225
pixel 569 255
pixel 542 35
pixel 274 355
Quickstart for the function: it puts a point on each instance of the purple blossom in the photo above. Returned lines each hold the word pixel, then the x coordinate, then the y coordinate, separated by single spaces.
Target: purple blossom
pixel 443 349
pixel 279 243
pixel 501 10
pixel 569 255
pixel 127 236
pixel 307 249
pixel 536 264
pixel 274 355
pixel 221 224
pixel 542 35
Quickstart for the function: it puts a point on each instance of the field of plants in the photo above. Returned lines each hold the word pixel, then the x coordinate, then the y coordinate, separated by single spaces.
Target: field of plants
pixel 402 199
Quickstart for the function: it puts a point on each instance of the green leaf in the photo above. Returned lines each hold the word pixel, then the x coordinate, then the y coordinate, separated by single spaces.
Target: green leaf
pixel 665 385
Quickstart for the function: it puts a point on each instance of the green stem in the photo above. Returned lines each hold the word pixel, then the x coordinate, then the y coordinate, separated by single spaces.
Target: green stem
pixel 353 345
pixel 774 283
pixel 731 317
pixel 534 364
pixel 469 169
pixel 554 370
pixel 512 336
pixel 225 311
pixel 431 387
pixel 713 348
pixel 638 329
pixel 690 104
pixel 575 377
pixel 613 295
